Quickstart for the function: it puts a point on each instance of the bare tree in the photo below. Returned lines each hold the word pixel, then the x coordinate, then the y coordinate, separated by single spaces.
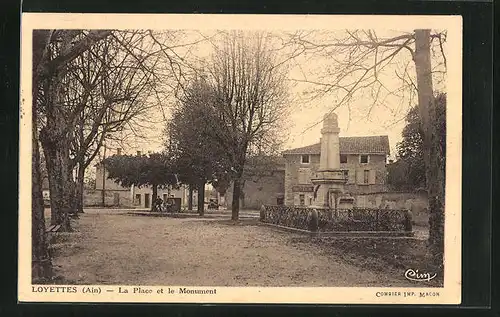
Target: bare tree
pixel 57 118
pixel 359 63
pixel 69 97
pixel 77 105
pixel 45 67
pixel 99 92
pixel 114 86
pixel 250 99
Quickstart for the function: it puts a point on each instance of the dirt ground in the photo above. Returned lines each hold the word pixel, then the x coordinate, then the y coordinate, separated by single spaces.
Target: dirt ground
pixel 111 248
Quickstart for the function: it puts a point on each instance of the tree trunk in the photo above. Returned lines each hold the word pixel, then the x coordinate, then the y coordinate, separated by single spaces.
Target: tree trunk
pixel 72 192
pixel 103 166
pixel 79 189
pixel 190 198
pixel 81 168
pixel 434 174
pixel 154 198
pixel 61 188
pixel 41 266
pixel 201 198
pixel 242 194
pixel 235 204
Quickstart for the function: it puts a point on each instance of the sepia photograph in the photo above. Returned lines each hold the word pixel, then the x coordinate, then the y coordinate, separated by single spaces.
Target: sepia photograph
pixel 299 159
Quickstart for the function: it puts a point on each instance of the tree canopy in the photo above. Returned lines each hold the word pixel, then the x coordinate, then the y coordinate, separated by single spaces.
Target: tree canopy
pixel 408 172
pixel 141 170
pixel 197 158
pixel 247 94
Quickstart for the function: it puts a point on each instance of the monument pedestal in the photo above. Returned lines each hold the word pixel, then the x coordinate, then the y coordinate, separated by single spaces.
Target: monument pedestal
pixel 329 181
pixel 330 178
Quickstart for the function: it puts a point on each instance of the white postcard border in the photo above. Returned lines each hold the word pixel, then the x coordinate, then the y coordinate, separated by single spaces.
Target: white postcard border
pixel 449 294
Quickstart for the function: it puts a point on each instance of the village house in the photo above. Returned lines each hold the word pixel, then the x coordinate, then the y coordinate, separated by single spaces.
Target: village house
pixel 362 160
pixel 337 172
pixel 135 197
pixel 261 190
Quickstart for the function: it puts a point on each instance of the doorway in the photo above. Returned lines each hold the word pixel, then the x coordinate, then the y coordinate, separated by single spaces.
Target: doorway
pixel 146 200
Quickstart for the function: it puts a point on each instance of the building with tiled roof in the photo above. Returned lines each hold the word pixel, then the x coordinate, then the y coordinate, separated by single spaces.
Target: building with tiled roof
pixel 362 158
pixel 350 145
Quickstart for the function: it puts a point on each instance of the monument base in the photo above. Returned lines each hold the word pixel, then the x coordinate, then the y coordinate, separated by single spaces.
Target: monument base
pixel 327 191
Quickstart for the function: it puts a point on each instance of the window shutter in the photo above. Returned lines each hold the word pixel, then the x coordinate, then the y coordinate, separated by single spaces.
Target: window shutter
pixel 304 176
pixel 352 177
pixel 359 176
pixel 372 177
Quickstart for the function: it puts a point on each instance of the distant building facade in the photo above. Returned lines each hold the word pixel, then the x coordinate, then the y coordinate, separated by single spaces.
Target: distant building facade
pixel 268 189
pixel 117 195
pixel 363 159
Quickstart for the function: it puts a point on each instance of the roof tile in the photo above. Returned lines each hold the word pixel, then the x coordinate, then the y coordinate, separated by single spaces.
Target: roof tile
pixel 350 145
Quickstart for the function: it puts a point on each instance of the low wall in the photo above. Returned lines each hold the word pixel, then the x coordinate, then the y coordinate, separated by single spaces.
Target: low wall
pixel 340 220
pixel 116 198
pixel 416 202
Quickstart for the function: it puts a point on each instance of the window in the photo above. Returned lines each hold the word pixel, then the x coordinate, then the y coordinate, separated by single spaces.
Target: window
pixel 305 159
pixel 363 159
pixel 366 175
pixel 310 201
pixel 343 158
pixel 302 199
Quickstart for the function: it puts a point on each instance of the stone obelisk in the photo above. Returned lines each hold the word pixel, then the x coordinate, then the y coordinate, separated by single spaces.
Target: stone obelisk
pixel 329 177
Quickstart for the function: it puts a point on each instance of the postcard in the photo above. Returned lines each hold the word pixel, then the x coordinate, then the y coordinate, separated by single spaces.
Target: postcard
pixel 220 158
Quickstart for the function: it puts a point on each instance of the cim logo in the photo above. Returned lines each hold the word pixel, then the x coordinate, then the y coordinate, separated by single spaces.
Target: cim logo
pixel 415 275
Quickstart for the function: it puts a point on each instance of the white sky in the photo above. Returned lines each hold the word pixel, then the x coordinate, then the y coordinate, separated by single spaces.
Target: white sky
pixel 383 120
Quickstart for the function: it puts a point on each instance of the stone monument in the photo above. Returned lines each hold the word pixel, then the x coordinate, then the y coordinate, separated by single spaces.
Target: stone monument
pixel 329 180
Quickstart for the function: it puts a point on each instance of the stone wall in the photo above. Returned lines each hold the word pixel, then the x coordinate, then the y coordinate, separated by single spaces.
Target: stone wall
pixel 113 198
pixel 263 191
pixel 415 202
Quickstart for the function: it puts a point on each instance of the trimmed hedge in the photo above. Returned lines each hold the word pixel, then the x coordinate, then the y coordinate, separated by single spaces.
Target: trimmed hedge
pixel 345 220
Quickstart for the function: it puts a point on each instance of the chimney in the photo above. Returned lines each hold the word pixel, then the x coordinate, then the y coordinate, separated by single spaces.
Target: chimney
pixel 138 153
pixel 118 151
